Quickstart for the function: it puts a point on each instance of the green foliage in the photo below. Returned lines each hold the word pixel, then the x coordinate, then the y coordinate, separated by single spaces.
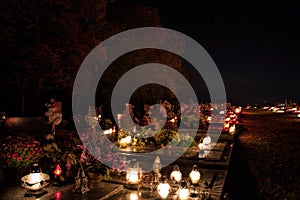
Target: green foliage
pixel 99 168
pixel 166 136
pixel 46 41
pixel 106 123
pixel 186 141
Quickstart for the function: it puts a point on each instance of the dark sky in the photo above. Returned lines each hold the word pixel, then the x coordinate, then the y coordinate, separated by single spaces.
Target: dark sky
pixel 255 46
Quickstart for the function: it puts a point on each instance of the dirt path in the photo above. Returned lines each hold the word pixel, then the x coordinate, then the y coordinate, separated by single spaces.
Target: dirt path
pixel 265 162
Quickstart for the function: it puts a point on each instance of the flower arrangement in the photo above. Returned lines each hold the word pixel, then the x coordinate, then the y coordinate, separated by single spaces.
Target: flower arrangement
pixel 167 136
pixel 94 162
pixel 67 153
pixel 19 151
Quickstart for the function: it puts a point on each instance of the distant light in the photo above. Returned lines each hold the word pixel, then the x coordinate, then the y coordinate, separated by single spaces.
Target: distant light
pixel 222 112
pixel 207 140
pixel 238 110
pixel 108 131
pixel 172 120
pixel 209 119
pixel 232 129
pixel 298 115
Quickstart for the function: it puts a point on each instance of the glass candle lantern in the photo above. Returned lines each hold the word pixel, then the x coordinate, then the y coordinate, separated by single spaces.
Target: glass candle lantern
pixel 176 175
pixel 133 175
pixel 207 140
pixel 195 175
pixel 57 170
pixel 183 191
pixel 58 175
pixel 35 181
pixel 164 188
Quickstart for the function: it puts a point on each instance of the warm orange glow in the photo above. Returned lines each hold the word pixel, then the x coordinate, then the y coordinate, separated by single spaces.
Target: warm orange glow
pixel 58 170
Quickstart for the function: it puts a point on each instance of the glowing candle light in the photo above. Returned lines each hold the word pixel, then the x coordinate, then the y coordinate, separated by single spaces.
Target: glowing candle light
pixel 176 174
pixel 195 175
pixel 207 140
pixel 58 170
pixel 183 191
pixel 133 175
pixel 163 188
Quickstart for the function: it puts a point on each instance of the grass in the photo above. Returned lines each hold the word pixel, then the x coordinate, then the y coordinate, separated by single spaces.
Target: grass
pixel 266 163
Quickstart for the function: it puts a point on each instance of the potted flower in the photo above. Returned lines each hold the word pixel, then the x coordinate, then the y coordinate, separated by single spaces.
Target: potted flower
pixel 18 153
pixel 97 171
pixel 65 153
pixel 93 163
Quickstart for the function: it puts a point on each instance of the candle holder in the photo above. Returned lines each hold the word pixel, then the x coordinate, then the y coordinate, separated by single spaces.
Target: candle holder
pixel 207 141
pixel 195 175
pixel 164 188
pixel 133 175
pixel 204 190
pixel 204 147
pixel 58 175
pixel 194 192
pixel 176 174
pixel 183 191
pixel 35 182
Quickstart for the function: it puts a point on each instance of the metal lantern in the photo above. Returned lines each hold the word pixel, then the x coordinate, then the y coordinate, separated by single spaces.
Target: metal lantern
pixel 195 175
pixel 176 175
pixel 204 190
pixel 164 188
pixel 35 181
pixel 81 182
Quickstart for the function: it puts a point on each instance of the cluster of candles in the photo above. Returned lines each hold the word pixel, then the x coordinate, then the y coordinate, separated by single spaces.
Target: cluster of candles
pixel 176 188
pixel 204 147
pixel 183 190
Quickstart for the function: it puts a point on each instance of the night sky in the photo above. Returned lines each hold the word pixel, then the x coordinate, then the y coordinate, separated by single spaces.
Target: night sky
pixel 254 45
